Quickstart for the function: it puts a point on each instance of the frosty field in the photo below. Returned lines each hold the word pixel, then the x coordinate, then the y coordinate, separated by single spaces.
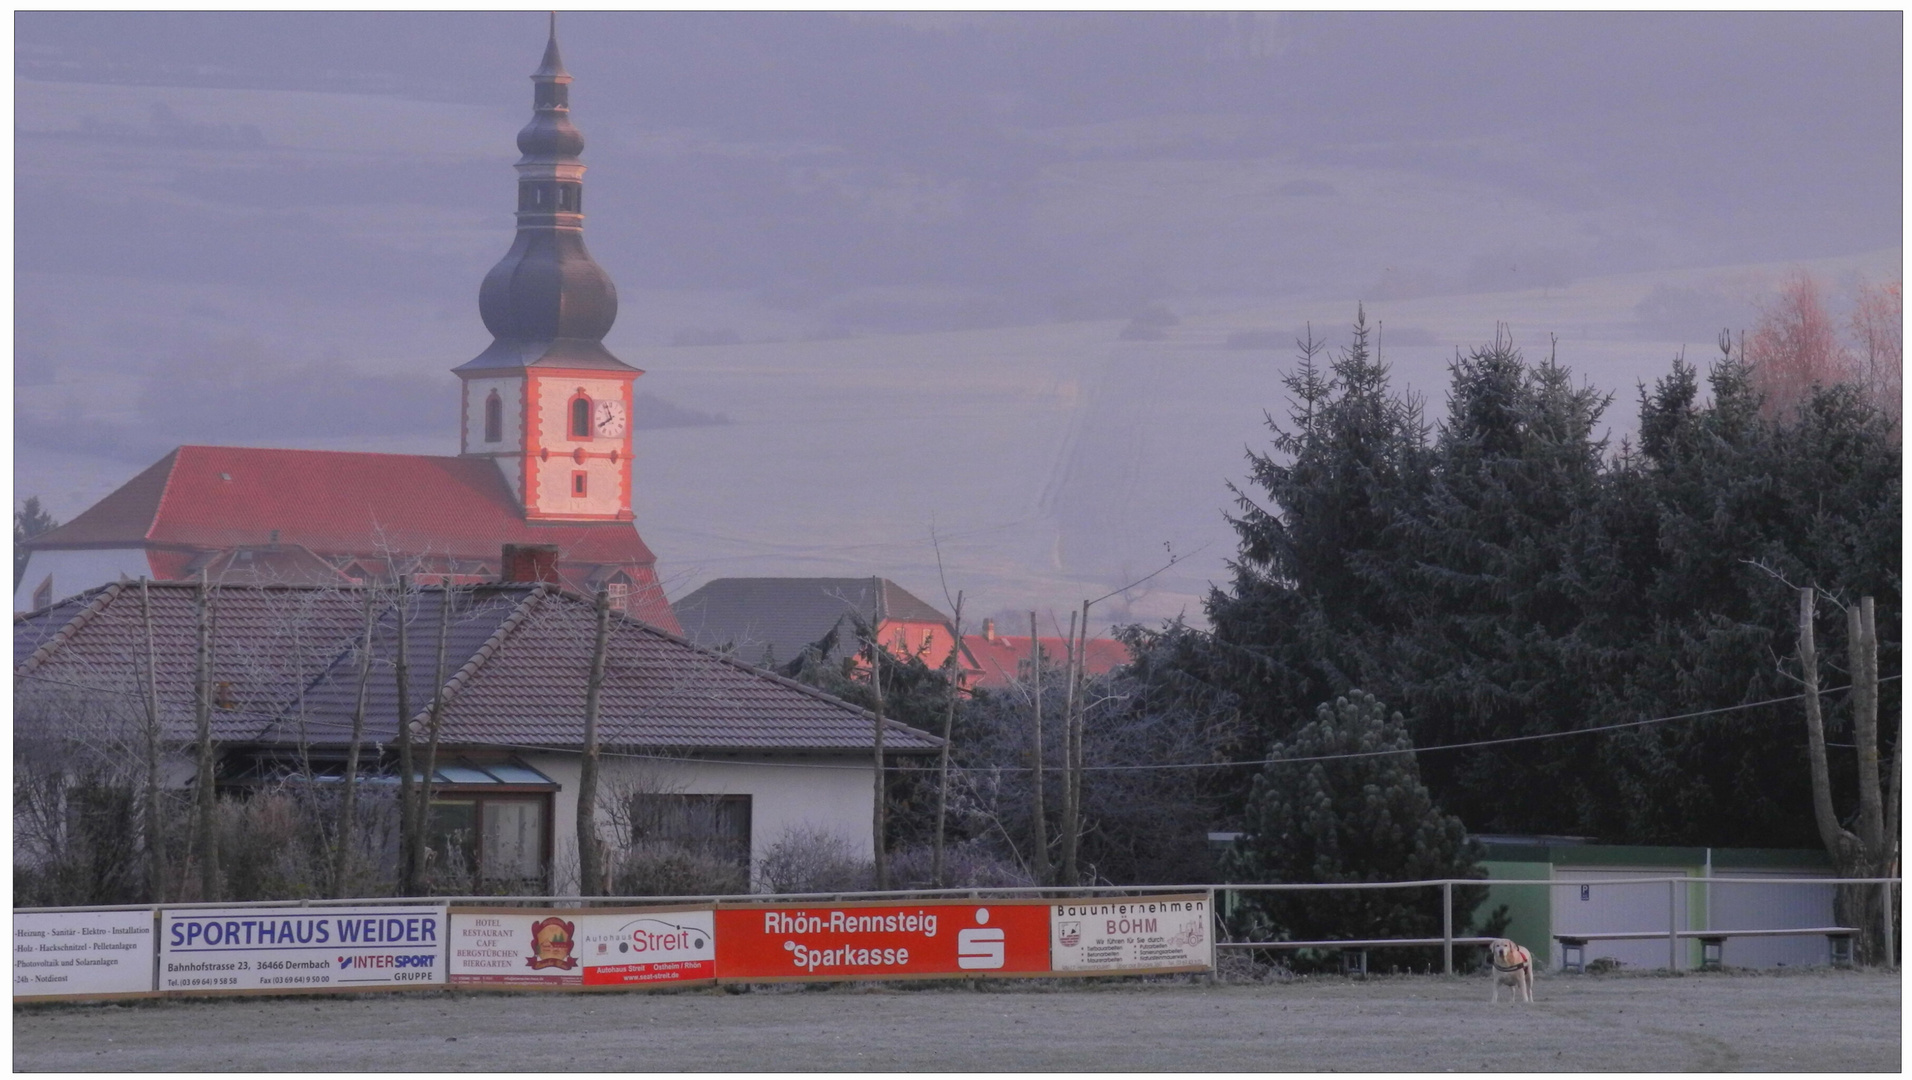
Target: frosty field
pixel 1818 1021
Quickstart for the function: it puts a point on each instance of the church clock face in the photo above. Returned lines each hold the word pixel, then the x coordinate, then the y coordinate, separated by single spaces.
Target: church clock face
pixel 610 419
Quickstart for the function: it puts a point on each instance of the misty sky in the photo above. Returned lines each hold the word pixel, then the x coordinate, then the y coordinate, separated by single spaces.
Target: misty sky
pixel 902 258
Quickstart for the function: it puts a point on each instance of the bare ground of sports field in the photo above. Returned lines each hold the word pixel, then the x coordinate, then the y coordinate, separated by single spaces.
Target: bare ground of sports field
pixel 1819 1021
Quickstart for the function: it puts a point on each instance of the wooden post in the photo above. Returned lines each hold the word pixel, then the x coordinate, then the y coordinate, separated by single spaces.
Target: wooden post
pixel 1039 824
pixel 590 869
pixel 205 838
pixel 1672 926
pixel 407 812
pixel 348 807
pixel 155 820
pixel 955 668
pixel 1447 928
pixel 431 739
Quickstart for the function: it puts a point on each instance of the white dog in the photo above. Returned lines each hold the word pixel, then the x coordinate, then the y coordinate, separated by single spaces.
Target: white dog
pixel 1513 966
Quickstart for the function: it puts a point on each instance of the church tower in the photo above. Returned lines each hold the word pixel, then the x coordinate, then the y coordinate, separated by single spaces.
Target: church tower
pixel 547 402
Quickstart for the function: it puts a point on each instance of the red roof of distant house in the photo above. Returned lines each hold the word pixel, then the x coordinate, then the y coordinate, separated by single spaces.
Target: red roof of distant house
pixel 339 503
pixel 997 657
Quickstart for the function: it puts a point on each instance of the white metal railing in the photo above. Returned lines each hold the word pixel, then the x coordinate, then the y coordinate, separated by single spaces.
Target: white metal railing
pixel 1674 932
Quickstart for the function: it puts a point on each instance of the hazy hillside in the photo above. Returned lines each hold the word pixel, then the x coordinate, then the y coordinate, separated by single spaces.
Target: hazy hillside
pixel 898 253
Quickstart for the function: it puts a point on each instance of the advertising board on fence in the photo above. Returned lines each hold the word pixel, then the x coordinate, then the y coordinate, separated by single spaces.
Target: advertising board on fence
pixel 280 949
pixel 624 947
pixel 878 940
pixel 1160 933
pixel 82 953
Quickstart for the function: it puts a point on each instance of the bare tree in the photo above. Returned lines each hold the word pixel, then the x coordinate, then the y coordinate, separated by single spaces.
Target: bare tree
pixel 407 807
pixel 423 815
pixel 1069 818
pixel 155 819
pixel 953 667
pixel 590 866
pixel 1039 837
pixel 1795 346
pixel 348 801
pixel 879 816
pixel 1878 315
pixel 1866 852
pixel 205 839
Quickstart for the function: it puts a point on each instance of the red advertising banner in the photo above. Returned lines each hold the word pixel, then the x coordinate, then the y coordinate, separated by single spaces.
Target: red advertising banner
pixel 598 947
pixel 865 940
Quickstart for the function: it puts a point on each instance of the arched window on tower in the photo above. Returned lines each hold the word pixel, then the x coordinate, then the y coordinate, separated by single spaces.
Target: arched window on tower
pixel 494 418
pixel 580 417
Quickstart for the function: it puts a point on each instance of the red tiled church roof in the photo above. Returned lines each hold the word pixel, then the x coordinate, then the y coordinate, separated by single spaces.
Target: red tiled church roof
pixel 343 503
pixel 331 502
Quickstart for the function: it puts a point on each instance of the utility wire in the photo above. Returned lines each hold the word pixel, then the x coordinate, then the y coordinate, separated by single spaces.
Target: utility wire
pixel 321 722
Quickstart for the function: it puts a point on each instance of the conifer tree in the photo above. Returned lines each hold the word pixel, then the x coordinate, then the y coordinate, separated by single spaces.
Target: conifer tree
pixel 1342 801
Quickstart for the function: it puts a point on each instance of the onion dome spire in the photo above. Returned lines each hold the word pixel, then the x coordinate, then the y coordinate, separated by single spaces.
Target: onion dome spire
pixel 546 302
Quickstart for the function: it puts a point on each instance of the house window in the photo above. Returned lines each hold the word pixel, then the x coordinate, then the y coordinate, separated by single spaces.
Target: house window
pixel 620 594
pixel 494 418
pixel 578 482
pixel 500 840
pixel 716 826
pixel 580 417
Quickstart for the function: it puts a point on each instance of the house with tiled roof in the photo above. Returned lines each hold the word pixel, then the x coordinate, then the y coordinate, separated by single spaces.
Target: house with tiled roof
pixel 676 720
pixel 992 661
pixel 545 447
pixel 771 621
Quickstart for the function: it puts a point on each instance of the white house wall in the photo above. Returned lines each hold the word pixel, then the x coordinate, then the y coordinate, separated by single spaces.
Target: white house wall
pixel 834 795
pixel 75 571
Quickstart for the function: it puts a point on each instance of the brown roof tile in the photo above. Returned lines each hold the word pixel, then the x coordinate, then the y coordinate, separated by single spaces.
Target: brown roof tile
pixel 517 656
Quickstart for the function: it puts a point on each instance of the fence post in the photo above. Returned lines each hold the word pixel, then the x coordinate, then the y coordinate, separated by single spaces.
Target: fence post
pixel 1891 954
pixel 1214 954
pixel 1447 928
pixel 1672 925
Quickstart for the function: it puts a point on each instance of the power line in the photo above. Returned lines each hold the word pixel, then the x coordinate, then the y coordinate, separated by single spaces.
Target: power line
pixel 321 722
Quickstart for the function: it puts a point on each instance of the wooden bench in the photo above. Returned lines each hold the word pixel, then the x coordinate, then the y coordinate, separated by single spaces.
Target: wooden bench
pixel 1573 947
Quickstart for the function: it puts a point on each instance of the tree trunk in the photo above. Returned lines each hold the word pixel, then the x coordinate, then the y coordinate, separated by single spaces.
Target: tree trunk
pixel 1068 755
pixel 590 867
pixel 955 667
pixel 1864 662
pixel 205 839
pixel 424 814
pixel 1853 905
pixel 155 818
pixel 1838 842
pixel 879 815
pixel 348 805
pixel 1076 726
pixel 407 811
pixel 1039 825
